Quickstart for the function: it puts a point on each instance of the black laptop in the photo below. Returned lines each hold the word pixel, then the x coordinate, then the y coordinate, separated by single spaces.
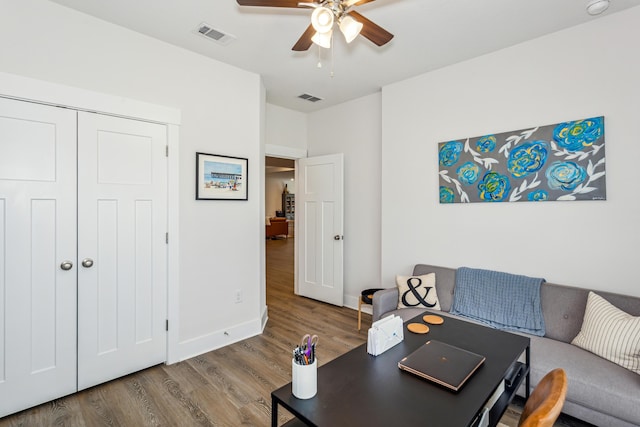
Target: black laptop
pixel 442 363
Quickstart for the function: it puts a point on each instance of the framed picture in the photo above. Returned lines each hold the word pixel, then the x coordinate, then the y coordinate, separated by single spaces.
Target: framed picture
pixel 561 161
pixel 221 177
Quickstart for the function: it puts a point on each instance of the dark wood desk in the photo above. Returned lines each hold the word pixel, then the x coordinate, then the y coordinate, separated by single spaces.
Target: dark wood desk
pixel 357 389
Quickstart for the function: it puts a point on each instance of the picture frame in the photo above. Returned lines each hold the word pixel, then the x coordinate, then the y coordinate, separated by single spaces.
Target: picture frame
pixel 221 177
pixel 557 162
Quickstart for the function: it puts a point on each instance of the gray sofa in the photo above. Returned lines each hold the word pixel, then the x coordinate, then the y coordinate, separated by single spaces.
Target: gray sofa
pixel 600 392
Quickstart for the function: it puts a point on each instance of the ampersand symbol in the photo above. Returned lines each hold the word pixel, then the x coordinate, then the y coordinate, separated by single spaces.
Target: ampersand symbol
pixel 422 300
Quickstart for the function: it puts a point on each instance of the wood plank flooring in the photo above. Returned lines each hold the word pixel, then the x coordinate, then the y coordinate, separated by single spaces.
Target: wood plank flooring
pixel 226 387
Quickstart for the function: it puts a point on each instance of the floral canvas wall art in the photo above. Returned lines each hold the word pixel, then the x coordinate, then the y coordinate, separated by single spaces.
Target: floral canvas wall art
pixel 563 161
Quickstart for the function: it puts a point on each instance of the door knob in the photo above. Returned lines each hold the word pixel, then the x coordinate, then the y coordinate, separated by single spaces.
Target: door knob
pixel 337 237
pixel 66 265
pixel 87 263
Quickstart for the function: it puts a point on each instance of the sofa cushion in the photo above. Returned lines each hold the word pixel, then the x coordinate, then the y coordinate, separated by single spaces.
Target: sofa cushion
pixel 594 382
pixel 417 291
pixel 563 308
pixel 610 333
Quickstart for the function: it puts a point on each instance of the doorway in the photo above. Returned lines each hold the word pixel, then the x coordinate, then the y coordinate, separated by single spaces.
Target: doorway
pixel 318 256
pixel 280 226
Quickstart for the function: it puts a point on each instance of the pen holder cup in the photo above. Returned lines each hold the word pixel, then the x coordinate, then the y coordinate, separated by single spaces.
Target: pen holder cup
pixel 304 379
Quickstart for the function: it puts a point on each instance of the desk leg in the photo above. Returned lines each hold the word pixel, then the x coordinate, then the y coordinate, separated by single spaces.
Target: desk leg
pixel 274 412
pixel 526 393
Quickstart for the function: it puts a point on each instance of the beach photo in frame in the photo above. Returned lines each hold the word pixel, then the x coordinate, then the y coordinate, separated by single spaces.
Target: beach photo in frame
pixel 221 177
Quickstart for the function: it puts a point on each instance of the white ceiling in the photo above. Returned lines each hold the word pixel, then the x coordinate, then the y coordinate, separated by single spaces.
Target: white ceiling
pixel 429 34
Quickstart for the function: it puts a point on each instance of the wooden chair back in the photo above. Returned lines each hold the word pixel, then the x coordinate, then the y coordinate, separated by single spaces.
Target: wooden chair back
pixel 544 405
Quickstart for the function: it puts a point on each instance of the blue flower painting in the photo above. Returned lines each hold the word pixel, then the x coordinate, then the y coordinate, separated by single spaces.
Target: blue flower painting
pixel 447 195
pixel 558 162
pixel 527 158
pixel 494 187
pixel 450 153
pixel 468 173
pixel 565 175
pixel 538 196
pixel 580 134
pixel 486 144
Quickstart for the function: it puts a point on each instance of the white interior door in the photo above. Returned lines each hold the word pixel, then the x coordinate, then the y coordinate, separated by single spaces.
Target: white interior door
pixel 37 234
pixel 122 253
pixel 319 219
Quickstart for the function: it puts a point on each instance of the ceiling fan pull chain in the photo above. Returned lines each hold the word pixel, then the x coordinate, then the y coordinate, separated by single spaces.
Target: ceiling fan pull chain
pixel 319 57
pixel 332 44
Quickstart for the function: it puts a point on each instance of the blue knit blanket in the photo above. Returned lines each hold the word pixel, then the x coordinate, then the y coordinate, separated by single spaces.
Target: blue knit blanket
pixel 501 300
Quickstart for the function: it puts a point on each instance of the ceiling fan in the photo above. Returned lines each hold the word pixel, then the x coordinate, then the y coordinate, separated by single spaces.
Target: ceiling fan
pixel 325 14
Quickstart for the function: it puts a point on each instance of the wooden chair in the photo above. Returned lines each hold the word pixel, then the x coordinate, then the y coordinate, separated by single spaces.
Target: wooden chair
pixel 544 405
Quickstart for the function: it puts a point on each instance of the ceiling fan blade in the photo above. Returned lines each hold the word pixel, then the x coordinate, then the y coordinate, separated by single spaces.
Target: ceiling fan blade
pixel 349 3
pixel 304 42
pixel 269 3
pixel 373 32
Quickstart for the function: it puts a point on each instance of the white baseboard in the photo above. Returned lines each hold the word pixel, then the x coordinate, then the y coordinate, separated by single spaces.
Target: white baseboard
pixel 218 339
pixel 265 318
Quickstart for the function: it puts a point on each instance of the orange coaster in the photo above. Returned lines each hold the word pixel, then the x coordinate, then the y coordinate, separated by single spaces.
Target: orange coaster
pixel 418 328
pixel 433 319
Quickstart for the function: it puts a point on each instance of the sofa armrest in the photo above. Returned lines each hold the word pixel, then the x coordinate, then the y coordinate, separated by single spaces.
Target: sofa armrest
pixel 384 301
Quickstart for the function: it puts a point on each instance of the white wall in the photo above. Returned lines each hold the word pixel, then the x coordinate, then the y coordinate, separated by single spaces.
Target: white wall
pixel 358 137
pixel 220 241
pixel 285 127
pixel 580 72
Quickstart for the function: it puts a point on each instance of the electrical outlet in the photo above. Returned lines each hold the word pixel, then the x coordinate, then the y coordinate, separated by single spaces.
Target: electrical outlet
pixel 238 296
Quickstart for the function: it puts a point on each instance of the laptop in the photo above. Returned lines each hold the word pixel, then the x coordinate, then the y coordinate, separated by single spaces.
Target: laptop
pixel 442 363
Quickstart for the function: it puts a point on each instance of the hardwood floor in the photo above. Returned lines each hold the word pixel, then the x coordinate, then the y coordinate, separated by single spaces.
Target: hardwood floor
pixel 226 387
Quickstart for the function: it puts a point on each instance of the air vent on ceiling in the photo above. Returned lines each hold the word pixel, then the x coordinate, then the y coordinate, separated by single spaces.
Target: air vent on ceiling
pixel 309 98
pixel 218 36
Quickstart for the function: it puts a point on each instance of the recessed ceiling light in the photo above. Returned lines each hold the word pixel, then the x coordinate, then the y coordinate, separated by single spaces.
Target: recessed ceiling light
pixel 596 7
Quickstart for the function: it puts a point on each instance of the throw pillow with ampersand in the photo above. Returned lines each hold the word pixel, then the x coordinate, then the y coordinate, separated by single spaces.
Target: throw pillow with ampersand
pixel 417 291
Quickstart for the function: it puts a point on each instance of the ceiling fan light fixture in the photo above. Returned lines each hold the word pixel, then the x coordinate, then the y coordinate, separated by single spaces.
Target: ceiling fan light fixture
pixel 322 19
pixel 323 39
pixel 596 7
pixel 350 28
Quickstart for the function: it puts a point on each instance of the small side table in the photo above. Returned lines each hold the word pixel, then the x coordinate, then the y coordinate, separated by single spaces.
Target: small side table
pixel 366 297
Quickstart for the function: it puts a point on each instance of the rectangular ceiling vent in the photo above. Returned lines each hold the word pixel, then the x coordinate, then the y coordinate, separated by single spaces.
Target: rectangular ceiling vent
pixel 309 98
pixel 218 36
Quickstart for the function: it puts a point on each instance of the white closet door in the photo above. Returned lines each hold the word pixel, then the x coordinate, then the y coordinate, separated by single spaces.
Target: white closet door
pixel 37 234
pixel 122 223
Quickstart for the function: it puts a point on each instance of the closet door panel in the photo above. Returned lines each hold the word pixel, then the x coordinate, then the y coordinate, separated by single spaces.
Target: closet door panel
pixel 106 289
pixel 43 285
pixel 122 225
pixel 28 147
pixel 37 235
